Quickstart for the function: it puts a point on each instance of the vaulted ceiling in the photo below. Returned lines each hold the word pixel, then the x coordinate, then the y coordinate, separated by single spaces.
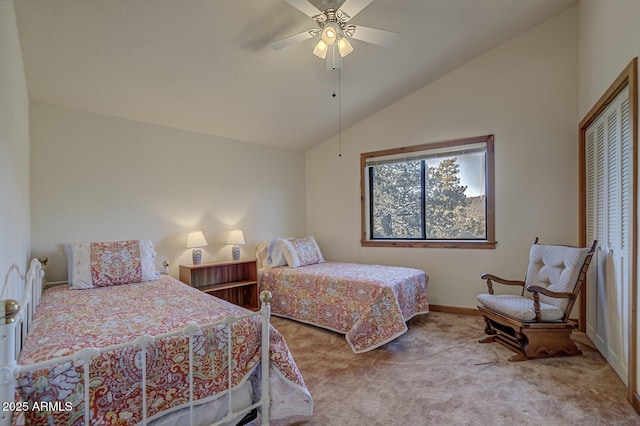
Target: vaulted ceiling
pixel 204 65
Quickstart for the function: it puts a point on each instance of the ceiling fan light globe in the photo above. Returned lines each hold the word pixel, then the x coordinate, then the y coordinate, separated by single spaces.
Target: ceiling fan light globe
pixel 344 47
pixel 328 35
pixel 320 50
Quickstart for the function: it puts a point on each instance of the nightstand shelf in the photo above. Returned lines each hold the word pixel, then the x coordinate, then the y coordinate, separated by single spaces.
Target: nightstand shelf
pixel 235 280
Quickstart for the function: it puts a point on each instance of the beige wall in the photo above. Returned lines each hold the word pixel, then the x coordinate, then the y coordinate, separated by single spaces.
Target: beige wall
pixel 609 39
pixel 101 178
pixel 525 93
pixel 14 156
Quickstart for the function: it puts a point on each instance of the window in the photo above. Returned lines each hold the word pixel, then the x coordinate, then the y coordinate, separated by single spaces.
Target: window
pixel 432 195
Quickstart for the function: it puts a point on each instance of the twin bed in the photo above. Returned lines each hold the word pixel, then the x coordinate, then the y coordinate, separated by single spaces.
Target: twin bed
pixel 150 352
pixel 370 304
pixel 130 351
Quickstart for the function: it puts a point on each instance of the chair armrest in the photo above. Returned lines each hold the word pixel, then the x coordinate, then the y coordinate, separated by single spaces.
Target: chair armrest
pixel 490 278
pixel 550 293
pixel 536 290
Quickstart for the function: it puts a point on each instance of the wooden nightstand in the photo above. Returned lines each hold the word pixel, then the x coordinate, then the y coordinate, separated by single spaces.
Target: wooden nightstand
pixel 233 280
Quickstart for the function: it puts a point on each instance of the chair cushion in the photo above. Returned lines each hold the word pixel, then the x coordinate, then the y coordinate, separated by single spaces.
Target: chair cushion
pixel 519 307
pixel 555 268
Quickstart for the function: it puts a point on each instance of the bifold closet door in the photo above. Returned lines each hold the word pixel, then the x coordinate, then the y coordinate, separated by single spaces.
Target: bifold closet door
pixel 608 202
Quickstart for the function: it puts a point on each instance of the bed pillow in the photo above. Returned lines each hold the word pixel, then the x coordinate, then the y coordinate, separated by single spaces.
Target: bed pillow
pixel 301 252
pixel 262 255
pixel 275 253
pixel 69 252
pixel 107 263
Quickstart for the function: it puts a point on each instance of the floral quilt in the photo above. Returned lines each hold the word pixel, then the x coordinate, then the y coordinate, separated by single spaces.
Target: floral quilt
pixel 368 303
pixel 69 320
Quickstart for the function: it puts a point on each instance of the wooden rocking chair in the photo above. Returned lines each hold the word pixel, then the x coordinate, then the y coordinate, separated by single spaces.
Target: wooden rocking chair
pixel 536 323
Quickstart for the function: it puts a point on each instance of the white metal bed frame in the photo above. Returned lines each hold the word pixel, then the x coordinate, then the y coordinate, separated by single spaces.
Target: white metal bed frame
pixel 15 323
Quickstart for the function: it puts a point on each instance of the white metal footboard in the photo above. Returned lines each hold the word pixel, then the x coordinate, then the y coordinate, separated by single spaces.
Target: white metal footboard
pixel 15 321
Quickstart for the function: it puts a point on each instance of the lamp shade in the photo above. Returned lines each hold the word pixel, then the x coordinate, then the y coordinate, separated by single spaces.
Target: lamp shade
pixel 236 237
pixel 196 239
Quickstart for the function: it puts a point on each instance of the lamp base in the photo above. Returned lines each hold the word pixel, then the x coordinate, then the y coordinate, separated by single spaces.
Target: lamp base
pixel 196 254
pixel 235 253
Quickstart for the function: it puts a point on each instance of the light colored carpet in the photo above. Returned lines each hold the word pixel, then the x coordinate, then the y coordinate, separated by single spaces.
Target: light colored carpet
pixel 438 374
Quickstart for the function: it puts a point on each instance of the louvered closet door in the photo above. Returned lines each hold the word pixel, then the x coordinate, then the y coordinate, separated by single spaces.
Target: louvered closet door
pixel 608 203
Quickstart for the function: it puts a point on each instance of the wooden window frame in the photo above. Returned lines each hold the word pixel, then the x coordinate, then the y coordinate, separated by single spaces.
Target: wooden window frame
pixel 488 243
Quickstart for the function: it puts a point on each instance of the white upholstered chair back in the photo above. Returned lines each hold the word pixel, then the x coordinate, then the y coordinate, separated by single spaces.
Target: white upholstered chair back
pixel 556 268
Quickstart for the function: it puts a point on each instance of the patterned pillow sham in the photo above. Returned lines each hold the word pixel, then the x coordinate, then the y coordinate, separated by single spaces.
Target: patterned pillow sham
pixel 301 252
pixel 101 264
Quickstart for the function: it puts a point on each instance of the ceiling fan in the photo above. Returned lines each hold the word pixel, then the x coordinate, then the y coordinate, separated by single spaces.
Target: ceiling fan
pixel 335 31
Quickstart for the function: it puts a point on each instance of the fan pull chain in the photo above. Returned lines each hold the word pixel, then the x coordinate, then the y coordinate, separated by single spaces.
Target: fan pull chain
pixel 339 113
pixel 338 94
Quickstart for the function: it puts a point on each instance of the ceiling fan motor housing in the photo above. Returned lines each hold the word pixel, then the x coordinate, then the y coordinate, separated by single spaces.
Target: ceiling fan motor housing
pixel 334 19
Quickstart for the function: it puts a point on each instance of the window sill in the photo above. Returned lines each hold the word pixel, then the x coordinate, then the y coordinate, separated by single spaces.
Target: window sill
pixel 466 244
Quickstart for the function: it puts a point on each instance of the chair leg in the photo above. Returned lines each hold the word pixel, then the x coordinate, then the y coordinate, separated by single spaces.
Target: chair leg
pixel 488 328
pixel 489 331
pixel 518 357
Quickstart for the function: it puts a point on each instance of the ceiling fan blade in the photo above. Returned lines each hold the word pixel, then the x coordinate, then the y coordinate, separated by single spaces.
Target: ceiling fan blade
pixel 305 7
pixel 353 7
pixel 375 36
pixel 292 39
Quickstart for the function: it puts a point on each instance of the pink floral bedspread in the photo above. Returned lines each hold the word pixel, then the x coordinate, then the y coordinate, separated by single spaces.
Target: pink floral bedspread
pixel 68 320
pixel 368 303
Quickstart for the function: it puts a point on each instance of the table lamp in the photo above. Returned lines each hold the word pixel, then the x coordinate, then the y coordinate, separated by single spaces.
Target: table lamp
pixel 236 237
pixel 195 240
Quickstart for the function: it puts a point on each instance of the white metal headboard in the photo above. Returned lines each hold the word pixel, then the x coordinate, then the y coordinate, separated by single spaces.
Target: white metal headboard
pixel 15 323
